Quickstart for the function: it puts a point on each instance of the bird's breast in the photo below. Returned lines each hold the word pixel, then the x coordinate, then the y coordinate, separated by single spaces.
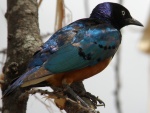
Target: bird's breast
pixel 78 75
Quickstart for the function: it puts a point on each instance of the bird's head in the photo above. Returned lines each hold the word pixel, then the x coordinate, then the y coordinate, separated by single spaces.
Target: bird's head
pixel 114 13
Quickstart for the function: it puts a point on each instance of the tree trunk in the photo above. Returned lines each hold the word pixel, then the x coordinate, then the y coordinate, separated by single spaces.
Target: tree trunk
pixel 23 40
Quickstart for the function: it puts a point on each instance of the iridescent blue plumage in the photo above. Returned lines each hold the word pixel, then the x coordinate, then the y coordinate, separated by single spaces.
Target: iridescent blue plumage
pixel 84 49
pixel 78 47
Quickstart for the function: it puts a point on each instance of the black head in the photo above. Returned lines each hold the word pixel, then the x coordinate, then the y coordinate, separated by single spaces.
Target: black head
pixel 114 13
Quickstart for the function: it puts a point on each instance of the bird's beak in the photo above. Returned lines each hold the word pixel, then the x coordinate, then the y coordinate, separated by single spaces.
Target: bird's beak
pixel 132 21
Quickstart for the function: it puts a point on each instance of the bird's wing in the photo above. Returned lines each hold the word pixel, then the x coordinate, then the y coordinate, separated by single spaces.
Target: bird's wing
pixel 57 40
pixel 89 46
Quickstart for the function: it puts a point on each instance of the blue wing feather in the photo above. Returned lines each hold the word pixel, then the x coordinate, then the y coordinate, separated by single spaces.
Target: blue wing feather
pixel 86 43
pixel 60 38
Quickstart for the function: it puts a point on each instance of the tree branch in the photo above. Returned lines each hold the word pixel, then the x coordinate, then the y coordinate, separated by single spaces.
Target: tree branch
pixel 63 102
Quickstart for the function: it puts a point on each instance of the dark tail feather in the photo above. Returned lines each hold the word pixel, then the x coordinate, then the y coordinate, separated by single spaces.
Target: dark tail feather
pixel 19 81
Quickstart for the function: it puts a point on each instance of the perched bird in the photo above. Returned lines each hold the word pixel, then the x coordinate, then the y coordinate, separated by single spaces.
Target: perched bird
pixel 79 50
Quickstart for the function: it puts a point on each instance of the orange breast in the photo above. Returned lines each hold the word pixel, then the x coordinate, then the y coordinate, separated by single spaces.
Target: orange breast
pixel 78 75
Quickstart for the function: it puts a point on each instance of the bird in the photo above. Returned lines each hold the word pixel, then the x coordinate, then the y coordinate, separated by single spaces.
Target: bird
pixel 79 50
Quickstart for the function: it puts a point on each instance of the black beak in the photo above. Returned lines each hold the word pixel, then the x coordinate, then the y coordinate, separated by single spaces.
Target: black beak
pixel 132 21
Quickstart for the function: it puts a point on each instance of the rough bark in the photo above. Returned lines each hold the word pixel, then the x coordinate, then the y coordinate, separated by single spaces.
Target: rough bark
pixel 23 40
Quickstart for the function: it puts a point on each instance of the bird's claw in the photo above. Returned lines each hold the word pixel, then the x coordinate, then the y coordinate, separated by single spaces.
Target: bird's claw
pixel 94 99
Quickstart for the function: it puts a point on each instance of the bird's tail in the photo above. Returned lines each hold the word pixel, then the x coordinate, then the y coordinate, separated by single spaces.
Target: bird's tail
pixel 19 81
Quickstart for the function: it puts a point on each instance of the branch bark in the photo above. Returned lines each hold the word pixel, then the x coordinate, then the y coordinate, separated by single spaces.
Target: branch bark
pixel 23 40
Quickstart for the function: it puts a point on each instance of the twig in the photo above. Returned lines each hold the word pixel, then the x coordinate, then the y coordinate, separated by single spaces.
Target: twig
pixel 39 4
pixel 117 91
pixel 47 106
pixel 68 16
pixel 59 14
pixel 3 51
pixel 53 95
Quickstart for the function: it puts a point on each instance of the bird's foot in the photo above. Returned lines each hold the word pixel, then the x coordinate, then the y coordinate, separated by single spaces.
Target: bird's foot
pixel 74 95
pixel 93 99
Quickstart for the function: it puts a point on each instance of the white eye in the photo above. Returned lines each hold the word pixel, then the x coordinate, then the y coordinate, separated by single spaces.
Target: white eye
pixel 123 13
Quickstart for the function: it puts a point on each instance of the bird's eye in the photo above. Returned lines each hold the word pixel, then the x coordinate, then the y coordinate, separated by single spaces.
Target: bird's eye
pixel 123 13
